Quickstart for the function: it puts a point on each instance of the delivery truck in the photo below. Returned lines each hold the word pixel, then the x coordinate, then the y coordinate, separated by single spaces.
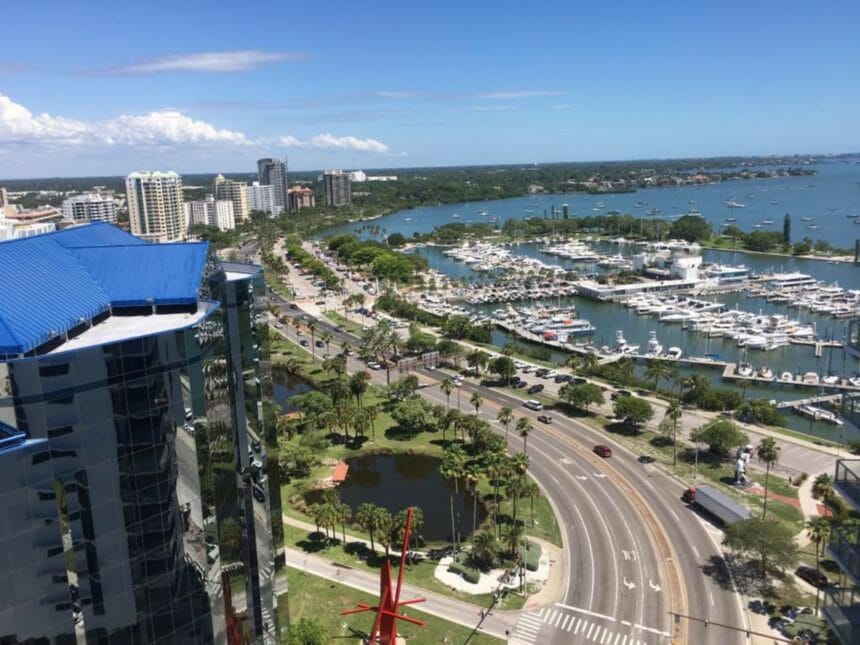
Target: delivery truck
pixel 716 503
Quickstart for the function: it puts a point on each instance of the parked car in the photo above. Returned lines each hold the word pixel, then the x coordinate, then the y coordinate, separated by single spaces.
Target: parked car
pixel 618 393
pixel 519 384
pixel 304 343
pixel 579 380
pixel 541 372
pixel 812 576
pixel 258 494
pixel 374 365
pixel 563 378
pixel 319 343
pixel 534 389
pixel 603 451
pixel 545 418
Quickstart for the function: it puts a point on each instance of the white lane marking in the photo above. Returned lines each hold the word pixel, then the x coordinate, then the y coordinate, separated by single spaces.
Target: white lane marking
pixel 558 618
pixel 653 586
pixel 696 551
pixel 652 630
pixel 675 515
pixel 579 623
pixel 628 583
pixel 711 598
pixel 624 641
pixel 617 638
pixel 591 627
pixel 585 611
pixel 599 475
pixel 553 477
pixel 603 637
pixel 567 619
pixel 540 613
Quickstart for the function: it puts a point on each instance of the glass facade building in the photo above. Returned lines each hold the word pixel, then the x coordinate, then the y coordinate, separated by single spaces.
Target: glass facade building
pixel 140 500
pixel 841 602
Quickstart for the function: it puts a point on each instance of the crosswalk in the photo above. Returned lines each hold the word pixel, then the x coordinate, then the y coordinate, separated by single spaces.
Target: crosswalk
pixel 581 629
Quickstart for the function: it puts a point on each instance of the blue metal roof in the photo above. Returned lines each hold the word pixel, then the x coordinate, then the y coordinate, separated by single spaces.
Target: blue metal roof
pixel 164 274
pixel 51 283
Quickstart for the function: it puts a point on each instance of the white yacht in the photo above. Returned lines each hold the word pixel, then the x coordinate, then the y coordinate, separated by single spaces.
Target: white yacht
pixel 654 346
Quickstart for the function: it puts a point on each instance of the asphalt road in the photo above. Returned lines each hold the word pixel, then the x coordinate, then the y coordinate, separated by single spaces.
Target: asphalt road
pixel 630 542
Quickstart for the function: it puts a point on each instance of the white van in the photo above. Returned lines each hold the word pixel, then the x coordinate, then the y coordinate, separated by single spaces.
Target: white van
pixel 531 404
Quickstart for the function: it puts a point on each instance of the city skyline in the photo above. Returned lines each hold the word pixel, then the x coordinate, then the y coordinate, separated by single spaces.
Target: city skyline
pixel 423 86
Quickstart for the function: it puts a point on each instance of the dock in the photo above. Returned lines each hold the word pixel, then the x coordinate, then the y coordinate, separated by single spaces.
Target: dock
pixel 826 398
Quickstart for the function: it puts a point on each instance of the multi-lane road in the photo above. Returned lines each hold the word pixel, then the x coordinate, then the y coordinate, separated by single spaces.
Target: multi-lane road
pixel 634 552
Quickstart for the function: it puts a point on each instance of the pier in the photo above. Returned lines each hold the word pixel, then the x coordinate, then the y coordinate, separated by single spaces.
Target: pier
pixel 826 398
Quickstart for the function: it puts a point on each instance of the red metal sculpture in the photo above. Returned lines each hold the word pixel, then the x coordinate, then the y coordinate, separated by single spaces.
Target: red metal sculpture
pixel 385 626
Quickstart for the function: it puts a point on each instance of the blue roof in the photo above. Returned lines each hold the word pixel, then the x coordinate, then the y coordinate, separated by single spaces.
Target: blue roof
pixel 51 283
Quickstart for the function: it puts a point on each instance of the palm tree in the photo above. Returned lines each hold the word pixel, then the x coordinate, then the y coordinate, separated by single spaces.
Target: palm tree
pixel 447 386
pixel 818 531
pixel 505 416
pixel 590 362
pixel 327 338
pixel 573 362
pixel 478 360
pixel 655 370
pixel 822 487
pixel 344 515
pixel 530 491
pixel 674 413
pixel 477 401
pixel 495 463
pixel 484 550
pixel 524 427
pixel 358 384
pixel 473 474
pixel 512 537
pixel 312 328
pixel 768 452
pixel 372 411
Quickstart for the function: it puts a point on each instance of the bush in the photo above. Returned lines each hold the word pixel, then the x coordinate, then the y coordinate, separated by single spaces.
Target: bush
pixel 533 553
pixel 461 567
pixel 798 481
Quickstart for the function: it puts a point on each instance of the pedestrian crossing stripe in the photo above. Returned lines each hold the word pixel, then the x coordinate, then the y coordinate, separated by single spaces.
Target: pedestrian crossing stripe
pixel 585 629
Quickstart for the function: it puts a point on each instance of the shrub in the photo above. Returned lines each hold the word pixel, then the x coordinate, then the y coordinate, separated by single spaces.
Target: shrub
pixel 461 567
pixel 533 553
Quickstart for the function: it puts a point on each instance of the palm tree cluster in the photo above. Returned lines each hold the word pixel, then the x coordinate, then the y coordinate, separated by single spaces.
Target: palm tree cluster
pixel 387 528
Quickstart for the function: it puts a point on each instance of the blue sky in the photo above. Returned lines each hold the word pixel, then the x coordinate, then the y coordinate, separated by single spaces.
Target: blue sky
pixel 101 88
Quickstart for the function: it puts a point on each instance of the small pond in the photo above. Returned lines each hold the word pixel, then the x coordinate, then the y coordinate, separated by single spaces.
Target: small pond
pixel 285 386
pixel 398 481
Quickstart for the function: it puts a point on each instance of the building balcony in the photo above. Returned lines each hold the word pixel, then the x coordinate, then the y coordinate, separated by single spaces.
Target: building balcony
pixel 845 548
pixel 841 608
pixel 847 480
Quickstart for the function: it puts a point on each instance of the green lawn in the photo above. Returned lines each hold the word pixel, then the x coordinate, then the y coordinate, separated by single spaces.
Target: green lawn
pixel 359 556
pixel 348 325
pixel 320 599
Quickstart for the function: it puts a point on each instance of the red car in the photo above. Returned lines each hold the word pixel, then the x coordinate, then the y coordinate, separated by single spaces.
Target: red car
pixel 812 576
pixel 603 451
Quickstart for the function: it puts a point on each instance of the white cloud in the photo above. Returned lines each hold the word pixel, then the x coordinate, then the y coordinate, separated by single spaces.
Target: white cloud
pixel 208 62
pixel 164 127
pixel 519 94
pixel 329 141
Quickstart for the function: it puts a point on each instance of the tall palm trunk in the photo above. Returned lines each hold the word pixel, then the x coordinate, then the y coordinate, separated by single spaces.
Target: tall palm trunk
pixel 453 525
pixel 766 478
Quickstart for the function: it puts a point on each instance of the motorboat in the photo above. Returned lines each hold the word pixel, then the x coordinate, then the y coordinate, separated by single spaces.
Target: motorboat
pixel 765 373
pixel 810 378
pixel 819 414
pixel 622 346
pixel 733 204
pixel 830 379
pixel 674 353
pixel 745 370
pixel 786 377
pixel 654 346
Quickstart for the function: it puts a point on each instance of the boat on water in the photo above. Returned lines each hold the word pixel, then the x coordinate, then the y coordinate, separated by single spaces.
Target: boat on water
pixel 812 227
pixel 745 370
pixel 407 219
pixel 731 219
pixel 819 414
pixel 622 346
pixel 773 203
pixel 786 377
pixel 805 219
pixel 765 373
pixel 767 221
pixel 674 353
pixel 455 216
pixel 733 204
pixel 654 347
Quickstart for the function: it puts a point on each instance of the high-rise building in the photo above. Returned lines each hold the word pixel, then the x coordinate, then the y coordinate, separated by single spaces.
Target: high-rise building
pixel 236 192
pixel 155 205
pixel 262 198
pixel 841 602
pixel 273 172
pixel 337 188
pixel 4 198
pixel 90 207
pixel 301 197
pixel 212 212
pixel 139 475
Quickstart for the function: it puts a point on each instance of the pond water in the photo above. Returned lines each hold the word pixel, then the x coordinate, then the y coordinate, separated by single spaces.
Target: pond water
pixel 401 480
pixel 285 386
